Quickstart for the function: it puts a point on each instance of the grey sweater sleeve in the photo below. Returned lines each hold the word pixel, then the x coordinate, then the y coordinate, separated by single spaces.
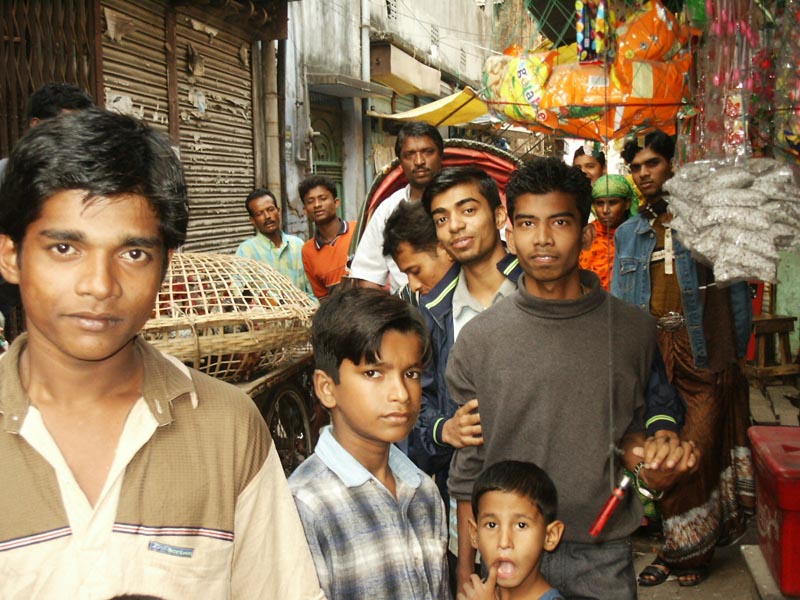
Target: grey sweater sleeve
pixel 466 463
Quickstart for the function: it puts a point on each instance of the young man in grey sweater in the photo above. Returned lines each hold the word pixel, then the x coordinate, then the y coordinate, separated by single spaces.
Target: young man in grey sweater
pixel 548 392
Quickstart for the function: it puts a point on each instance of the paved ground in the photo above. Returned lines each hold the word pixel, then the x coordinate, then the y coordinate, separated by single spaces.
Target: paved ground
pixel 729 578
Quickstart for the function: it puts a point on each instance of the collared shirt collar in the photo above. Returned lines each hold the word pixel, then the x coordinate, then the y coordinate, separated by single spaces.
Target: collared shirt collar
pixel 464 301
pixel 344 226
pixel 159 388
pixel 353 473
pixel 270 244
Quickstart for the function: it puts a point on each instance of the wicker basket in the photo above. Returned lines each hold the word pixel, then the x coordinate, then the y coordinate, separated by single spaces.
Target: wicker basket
pixel 228 316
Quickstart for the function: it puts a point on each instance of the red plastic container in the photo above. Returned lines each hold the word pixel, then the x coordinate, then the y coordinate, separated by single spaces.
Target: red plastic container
pixel 776 454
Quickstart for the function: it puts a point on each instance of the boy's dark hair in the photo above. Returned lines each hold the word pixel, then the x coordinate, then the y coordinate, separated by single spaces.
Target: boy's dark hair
pixel 258 193
pixel 599 155
pixel 50 99
pixel 453 176
pixel 309 183
pixel 351 324
pixel 545 175
pixel 418 129
pixel 409 223
pixel 658 141
pixel 103 153
pixel 523 478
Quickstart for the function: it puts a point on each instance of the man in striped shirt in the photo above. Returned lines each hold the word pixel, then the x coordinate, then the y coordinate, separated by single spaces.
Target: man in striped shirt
pixel 271 245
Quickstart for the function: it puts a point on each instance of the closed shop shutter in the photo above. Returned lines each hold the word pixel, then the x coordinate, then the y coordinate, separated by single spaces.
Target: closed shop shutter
pixel 135 62
pixel 42 42
pixel 216 129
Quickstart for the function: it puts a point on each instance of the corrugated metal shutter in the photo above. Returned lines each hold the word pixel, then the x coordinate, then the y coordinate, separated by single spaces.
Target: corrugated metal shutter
pixel 135 64
pixel 216 131
pixel 42 42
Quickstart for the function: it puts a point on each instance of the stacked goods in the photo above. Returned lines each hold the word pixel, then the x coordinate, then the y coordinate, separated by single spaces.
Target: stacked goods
pixel 736 218
pixel 642 83
pixel 228 316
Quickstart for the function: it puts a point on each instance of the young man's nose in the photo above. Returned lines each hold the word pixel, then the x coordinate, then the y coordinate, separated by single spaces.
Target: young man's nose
pixel 99 278
pixel 419 159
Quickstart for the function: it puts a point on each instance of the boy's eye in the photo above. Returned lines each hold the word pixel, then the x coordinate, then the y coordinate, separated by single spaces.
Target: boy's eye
pixel 414 374
pixel 136 254
pixel 372 373
pixel 63 248
pixel 522 525
pixel 440 220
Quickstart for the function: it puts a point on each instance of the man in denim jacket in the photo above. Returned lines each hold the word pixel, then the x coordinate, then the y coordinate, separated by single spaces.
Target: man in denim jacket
pixel 703 332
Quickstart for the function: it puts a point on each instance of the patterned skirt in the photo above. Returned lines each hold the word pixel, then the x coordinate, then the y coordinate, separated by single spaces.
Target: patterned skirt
pixel 708 507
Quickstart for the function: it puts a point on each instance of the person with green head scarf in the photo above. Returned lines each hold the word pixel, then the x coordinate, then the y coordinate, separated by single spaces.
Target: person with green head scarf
pixel 612 197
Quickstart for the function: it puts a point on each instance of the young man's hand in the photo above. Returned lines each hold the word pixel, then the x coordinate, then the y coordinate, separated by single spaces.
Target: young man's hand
pixel 667 458
pixel 464 427
pixel 475 589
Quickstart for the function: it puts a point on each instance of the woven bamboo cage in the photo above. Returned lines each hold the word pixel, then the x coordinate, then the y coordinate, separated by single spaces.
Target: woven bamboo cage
pixel 229 317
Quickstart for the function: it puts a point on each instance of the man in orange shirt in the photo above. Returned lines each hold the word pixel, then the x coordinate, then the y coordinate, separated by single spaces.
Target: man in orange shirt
pixel 611 202
pixel 325 255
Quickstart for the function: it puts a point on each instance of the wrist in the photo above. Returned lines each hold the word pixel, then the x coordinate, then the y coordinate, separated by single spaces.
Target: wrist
pixel 641 485
pixel 440 437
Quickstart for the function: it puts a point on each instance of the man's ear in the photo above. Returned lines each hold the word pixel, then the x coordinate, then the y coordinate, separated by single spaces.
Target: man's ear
pixel 500 217
pixel 324 387
pixel 552 535
pixel 512 245
pixel 9 263
pixel 473 533
pixel 587 236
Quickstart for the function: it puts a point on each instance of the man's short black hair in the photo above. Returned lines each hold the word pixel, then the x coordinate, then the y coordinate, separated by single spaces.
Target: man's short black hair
pixel 523 478
pixel 50 99
pixel 351 324
pixel 453 176
pixel 258 193
pixel 102 153
pixel 658 141
pixel 544 175
pixel 409 223
pixel 309 183
pixel 418 129
pixel 600 155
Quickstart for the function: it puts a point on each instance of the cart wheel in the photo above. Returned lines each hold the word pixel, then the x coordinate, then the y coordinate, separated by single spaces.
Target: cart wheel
pixel 287 419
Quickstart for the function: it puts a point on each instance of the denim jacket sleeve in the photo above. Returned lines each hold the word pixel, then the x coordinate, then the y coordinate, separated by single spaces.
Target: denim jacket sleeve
pixel 742 310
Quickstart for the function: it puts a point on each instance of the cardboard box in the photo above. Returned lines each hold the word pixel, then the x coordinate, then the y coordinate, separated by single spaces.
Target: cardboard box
pixel 776 457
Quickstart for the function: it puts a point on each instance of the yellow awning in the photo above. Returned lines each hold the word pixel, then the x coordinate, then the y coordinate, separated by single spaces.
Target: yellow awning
pixel 455 109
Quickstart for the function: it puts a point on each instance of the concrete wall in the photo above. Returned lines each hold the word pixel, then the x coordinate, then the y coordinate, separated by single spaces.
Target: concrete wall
pixel 787 300
pixel 462 26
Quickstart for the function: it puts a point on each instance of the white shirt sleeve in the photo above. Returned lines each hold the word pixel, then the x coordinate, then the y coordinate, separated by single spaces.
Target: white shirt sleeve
pixel 369 263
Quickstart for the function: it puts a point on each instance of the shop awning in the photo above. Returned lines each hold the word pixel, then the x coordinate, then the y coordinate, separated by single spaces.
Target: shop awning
pixel 456 109
pixel 344 86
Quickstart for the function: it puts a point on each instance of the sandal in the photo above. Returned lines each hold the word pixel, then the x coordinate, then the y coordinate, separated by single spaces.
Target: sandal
pixel 655 573
pixel 692 577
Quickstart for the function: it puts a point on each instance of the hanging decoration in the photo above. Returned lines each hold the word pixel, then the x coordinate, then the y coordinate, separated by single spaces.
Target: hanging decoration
pixel 603 86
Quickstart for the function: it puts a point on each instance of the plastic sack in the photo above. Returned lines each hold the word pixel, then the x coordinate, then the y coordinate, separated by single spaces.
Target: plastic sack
pixel 736 218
